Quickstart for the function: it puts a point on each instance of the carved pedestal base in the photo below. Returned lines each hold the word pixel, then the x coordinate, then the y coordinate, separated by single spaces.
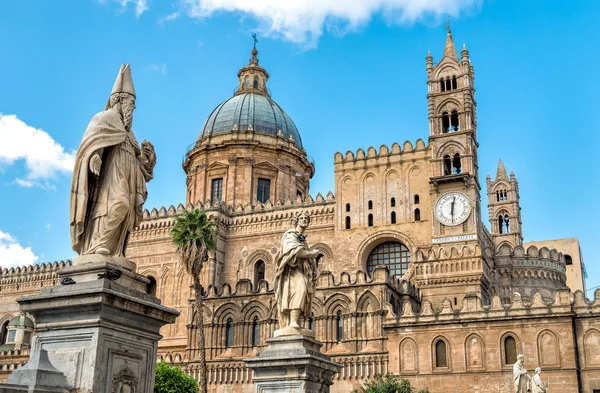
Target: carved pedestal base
pixel 102 334
pixel 292 364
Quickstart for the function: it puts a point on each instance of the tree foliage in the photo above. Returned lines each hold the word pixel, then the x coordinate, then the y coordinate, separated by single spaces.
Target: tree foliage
pixel 170 379
pixel 192 234
pixel 389 384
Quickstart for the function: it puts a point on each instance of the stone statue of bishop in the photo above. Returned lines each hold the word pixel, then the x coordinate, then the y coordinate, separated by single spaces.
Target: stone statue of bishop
pixel 109 180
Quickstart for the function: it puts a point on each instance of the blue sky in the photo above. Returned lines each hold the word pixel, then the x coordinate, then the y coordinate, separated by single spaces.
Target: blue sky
pixel 350 76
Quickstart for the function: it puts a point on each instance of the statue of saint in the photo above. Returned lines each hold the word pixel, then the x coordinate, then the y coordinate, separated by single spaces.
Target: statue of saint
pixel 295 279
pixel 520 376
pixel 109 179
pixel 537 384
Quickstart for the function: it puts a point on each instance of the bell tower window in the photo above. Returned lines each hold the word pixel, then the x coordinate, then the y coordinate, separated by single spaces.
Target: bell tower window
pixel 454 126
pixel 447 165
pixel 347 222
pixel 370 219
pixel 347 207
pixel 370 204
pixel 417 215
pixel 416 199
pixel 393 202
pixel 442 85
pixel 445 122
pixel 393 218
pixel 448 84
pixel 454 83
pixel 456 165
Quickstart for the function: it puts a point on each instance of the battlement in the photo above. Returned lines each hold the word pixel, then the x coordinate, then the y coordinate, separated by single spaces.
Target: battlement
pixel 472 308
pixel 326 280
pixel 384 152
pixel 47 267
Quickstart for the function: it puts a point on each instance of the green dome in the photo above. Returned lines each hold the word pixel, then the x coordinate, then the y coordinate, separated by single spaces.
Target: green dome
pixel 16 322
pixel 250 112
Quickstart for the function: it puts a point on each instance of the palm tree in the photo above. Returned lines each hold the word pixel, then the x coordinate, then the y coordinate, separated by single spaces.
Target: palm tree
pixel 192 234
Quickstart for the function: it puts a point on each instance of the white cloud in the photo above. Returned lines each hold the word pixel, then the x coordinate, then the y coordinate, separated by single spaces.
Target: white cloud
pixel 43 156
pixel 168 18
pixel 141 6
pixel 162 68
pixel 303 21
pixel 13 254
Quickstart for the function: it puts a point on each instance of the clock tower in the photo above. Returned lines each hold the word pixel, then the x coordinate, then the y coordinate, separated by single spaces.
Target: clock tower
pixel 454 185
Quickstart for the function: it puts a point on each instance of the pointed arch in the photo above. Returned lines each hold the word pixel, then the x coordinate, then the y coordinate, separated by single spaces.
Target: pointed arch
pixel 475 352
pixel 409 356
pixel 336 302
pixel 548 349
pixel 367 299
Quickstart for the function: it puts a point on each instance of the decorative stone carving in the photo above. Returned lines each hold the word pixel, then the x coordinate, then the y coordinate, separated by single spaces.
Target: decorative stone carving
pixel 109 179
pixel 295 279
pixel 124 382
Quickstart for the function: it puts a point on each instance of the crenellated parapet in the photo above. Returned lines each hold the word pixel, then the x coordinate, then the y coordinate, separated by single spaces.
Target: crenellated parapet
pixel 530 270
pixel 471 308
pixel 232 221
pixel 384 153
pixel 30 276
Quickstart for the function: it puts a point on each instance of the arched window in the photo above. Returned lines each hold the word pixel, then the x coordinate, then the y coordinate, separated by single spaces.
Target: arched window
pixel 347 207
pixel 456 165
pixel 394 255
pixel 510 350
pixel 347 222
pixel 393 218
pixel 417 215
pixel 339 333
pixel 507 223
pixel 442 85
pixel 151 288
pixel 568 259
pixel 246 82
pixel 255 85
pixel 370 204
pixel 501 224
pixel 416 199
pixel 454 126
pixel 370 218
pixel 497 196
pixel 454 85
pixel 445 122
pixel 448 84
pixel 311 322
pixel 229 333
pixel 4 332
pixel 259 272
pixel 255 332
pixel 447 165
pixel 393 202
pixel 504 195
pixel 441 359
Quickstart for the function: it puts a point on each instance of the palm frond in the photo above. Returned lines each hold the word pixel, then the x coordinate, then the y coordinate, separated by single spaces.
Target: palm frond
pixel 193 235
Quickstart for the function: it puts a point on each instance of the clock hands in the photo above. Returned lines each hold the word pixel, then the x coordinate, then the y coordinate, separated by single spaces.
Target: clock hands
pixel 452 210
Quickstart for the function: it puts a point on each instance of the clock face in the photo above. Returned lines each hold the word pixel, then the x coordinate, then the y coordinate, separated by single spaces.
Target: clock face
pixel 452 208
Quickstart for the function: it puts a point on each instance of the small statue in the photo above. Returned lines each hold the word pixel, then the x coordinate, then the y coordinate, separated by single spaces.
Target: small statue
pixel 295 279
pixel 537 384
pixel 109 180
pixel 520 376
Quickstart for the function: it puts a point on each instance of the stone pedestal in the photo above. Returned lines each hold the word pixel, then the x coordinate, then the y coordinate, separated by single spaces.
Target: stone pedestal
pixel 101 333
pixel 292 364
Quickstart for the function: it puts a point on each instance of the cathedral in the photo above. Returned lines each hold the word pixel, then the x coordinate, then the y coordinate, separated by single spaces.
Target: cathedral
pixel 412 281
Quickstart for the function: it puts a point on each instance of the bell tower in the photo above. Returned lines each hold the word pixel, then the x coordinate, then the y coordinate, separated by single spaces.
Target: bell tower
pixel 453 133
pixel 504 208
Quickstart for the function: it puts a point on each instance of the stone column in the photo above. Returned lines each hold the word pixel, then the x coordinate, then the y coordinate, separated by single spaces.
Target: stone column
pixel 292 364
pixel 99 328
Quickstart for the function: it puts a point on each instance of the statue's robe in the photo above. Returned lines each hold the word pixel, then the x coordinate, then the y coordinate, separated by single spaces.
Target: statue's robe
pixel 105 208
pixel 520 377
pixel 537 385
pixel 295 279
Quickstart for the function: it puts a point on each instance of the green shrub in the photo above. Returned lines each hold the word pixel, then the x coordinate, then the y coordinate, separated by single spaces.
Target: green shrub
pixel 388 384
pixel 170 379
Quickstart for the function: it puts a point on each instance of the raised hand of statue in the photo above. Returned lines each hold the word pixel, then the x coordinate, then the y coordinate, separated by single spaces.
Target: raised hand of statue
pixel 95 164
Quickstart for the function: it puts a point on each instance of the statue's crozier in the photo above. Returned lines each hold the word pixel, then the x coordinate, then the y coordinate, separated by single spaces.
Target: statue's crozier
pixel 109 180
pixel 295 279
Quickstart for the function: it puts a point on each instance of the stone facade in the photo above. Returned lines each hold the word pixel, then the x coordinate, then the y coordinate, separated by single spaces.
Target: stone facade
pixel 447 306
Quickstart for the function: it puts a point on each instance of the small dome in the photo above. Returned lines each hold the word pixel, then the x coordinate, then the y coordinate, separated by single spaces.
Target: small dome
pixel 16 322
pixel 253 112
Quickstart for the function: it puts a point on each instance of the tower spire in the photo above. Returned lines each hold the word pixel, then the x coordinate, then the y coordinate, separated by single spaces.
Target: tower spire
pixel 450 49
pixel 253 77
pixel 501 173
